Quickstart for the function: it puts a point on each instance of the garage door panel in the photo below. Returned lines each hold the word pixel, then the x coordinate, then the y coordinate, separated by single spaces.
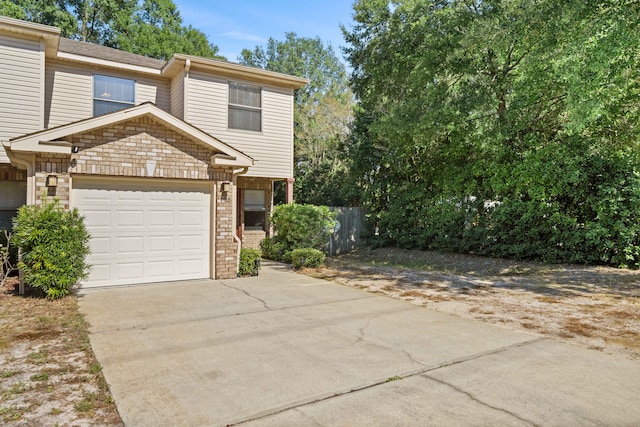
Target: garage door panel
pixel 190 266
pixel 161 197
pixel 144 231
pixel 161 268
pixel 101 273
pixel 98 196
pixel 192 197
pixel 100 245
pixel 130 218
pixel 191 218
pixel 130 245
pixel 97 219
pixel 160 218
pixel 193 242
pixel 159 244
pixel 130 270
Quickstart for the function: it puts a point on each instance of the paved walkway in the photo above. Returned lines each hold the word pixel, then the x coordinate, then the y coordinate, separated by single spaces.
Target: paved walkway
pixel 284 349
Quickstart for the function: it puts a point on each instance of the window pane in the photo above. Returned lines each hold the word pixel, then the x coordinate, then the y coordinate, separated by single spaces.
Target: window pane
pixel 114 89
pixel 240 94
pixel 254 220
pixel 104 107
pixel 254 200
pixel 240 118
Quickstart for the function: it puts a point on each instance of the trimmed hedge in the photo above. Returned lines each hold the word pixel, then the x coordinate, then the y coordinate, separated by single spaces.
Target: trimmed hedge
pixel 298 227
pixel 249 262
pixel 307 257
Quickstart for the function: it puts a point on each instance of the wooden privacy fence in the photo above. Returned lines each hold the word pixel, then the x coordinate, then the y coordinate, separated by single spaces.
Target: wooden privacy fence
pixel 347 236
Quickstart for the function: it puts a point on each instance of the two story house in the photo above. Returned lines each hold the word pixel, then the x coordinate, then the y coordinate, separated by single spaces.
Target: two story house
pixel 172 163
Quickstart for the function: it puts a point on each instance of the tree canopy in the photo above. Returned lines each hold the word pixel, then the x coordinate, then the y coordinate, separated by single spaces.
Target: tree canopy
pixel 152 28
pixel 499 127
pixel 322 116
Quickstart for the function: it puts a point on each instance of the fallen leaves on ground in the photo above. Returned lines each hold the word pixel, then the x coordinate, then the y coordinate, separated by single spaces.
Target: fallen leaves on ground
pixel 596 307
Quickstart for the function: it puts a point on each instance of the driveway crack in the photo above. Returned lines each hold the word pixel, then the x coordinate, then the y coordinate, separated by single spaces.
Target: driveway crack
pixel 264 303
pixel 422 371
pixel 475 399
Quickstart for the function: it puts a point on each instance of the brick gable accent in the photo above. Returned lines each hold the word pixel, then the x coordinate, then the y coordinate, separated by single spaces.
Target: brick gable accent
pixel 142 147
pixel 145 148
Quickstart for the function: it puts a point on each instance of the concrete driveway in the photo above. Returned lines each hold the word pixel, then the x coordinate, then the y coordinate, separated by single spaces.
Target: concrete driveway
pixel 284 349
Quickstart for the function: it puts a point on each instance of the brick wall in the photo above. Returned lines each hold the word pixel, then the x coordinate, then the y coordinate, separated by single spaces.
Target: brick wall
pixel 142 148
pixel 252 238
pixel 52 164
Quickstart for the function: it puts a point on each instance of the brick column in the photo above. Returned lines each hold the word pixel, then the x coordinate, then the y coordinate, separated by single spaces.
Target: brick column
pixel 290 190
pixel 226 247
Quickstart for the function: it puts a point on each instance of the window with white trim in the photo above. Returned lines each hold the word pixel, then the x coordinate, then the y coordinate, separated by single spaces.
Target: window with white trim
pixel 245 107
pixel 255 209
pixel 112 94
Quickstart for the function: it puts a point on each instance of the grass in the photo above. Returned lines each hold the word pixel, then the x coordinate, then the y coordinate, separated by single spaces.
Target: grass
pixel 43 376
pixel 48 358
pixel 37 357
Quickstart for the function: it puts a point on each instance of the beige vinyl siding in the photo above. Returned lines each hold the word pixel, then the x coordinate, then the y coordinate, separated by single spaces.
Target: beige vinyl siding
pixel 177 96
pixel 20 88
pixel 69 95
pixel 272 149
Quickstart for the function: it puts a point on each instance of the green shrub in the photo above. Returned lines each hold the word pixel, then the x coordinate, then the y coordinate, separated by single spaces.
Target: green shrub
pixel 54 244
pixel 307 257
pixel 249 262
pixel 302 226
pixel 272 249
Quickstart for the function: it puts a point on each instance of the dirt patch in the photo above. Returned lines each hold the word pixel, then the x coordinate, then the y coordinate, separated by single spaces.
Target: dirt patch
pixel 48 373
pixel 596 307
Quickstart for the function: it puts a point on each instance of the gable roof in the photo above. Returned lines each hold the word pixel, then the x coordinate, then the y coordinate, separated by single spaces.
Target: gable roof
pixel 50 35
pixel 107 53
pixel 230 69
pixel 83 52
pixel 52 140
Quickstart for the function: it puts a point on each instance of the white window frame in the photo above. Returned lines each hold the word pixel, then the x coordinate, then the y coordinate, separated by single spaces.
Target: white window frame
pixel 243 107
pixel 110 98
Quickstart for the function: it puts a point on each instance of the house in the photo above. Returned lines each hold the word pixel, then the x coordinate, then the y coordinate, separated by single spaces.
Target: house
pixel 172 163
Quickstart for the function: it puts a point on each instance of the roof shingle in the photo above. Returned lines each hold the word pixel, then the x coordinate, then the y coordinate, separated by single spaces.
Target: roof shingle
pixel 108 53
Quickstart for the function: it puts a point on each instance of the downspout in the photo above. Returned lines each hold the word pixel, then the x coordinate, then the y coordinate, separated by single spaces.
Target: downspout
pixel 185 92
pixel 234 213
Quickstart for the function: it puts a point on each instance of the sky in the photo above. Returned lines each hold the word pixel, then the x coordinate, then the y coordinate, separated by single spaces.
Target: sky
pixel 238 24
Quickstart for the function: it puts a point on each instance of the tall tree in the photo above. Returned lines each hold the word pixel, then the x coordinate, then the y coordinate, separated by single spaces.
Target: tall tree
pixel 156 29
pixel 152 27
pixel 97 20
pixel 48 12
pixel 502 127
pixel 322 116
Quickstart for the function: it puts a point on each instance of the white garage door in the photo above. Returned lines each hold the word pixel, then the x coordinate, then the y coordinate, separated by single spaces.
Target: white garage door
pixel 144 231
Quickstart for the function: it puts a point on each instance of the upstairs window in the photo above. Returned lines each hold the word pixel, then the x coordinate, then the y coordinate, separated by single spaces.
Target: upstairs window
pixel 112 94
pixel 245 107
pixel 254 209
